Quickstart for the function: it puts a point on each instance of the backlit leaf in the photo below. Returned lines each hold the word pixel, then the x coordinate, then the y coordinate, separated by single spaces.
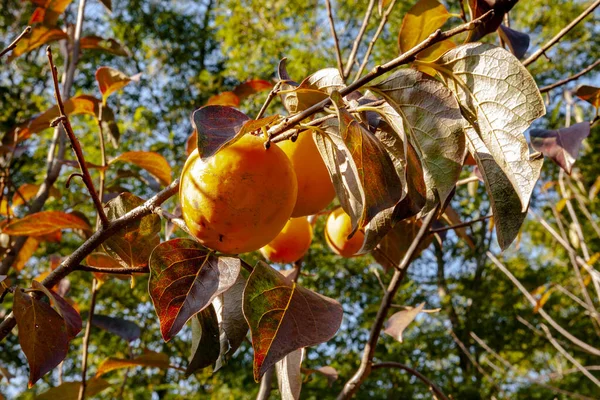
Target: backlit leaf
pixel 105 45
pixel 71 317
pixel 148 359
pixel 313 89
pixel 253 86
pixel 110 80
pixel 26 252
pixel 398 322
pixel 561 145
pixel 284 317
pixel 215 127
pixel 39 36
pixel 133 244
pixel 289 375
pixel 518 42
pixel 27 191
pixel 205 340
pixel 42 334
pixel 227 99
pixel 185 278
pixel 43 223
pixel 152 162
pixel 123 328
pixel 500 100
pixel 480 7
pixel 48 12
pixel 591 94
pixel 70 390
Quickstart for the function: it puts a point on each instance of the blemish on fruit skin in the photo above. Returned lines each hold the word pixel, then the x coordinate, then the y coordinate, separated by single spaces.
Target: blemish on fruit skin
pixel 221 237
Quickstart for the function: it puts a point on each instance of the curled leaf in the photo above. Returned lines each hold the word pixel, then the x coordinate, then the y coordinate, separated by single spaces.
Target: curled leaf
pixel 398 322
pixel 561 145
pixel 110 80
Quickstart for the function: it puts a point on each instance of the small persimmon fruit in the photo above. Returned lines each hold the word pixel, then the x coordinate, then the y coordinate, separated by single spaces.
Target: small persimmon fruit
pixel 239 199
pixel 292 242
pixel 315 190
pixel 337 229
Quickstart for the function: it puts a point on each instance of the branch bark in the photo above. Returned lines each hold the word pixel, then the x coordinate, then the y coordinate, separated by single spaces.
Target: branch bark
pixel 355 46
pixel 570 78
pixel 336 42
pixel 434 388
pixel 14 43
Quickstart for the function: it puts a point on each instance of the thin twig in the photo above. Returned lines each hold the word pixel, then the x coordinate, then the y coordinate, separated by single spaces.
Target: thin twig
pixel 64 120
pixel 338 53
pixel 14 43
pixel 562 33
pixel 352 386
pixel 356 44
pixel 432 386
pixel 86 341
pixel 377 71
pixel 461 225
pixel 270 97
pixel 384 19
pixel 570 78
pixel 104 162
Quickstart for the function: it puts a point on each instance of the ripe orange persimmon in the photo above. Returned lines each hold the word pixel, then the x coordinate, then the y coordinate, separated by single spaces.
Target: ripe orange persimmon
pixel 337 229
pixel 292 242
pixel 239 199
pixel 315 190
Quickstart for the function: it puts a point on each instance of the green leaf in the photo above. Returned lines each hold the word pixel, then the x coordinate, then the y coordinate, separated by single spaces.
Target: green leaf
pixel 284 317
pixel 133 244
pixel 185 278
pixel 205 340
pixel 500 100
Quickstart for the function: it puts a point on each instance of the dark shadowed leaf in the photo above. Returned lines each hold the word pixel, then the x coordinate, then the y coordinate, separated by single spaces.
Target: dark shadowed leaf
pixel 398 322
pixel 152 162
pixel 39 36
pixel 500 100
pixel 110 46
pixel 118 326
pixel 44 223
pixel 216 126
pixel 71 317
pixel 561 145
pixel 284 317
pixel 518 42
pixel 289 375
pixel 232 324
pixel 107 4
pixel 42 334
pixel 184 279
pixel 148 359
pixel 133 244
pixel 110 80
pixel 392 248
pixel 205 340
pixel 480 7
pixel 591 94
pixel 70 390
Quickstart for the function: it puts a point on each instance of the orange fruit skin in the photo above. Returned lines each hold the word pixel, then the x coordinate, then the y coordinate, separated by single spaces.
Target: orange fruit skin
pixel 239 199
pixel 315 190
pixel 291 244
pixel 337 229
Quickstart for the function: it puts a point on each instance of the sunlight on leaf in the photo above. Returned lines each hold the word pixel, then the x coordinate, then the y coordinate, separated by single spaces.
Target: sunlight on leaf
pixel 154 163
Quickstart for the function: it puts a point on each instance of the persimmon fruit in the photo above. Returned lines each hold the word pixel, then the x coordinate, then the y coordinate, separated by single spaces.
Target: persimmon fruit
pixel 315 190
pixel 291 244
pixel 337 229
pixel 239 199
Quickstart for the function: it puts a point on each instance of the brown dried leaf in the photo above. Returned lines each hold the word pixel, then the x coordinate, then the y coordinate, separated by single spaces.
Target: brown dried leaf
pixel 398 322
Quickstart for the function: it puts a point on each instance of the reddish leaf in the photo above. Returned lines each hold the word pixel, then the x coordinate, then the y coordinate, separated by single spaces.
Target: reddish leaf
pixel 152 162
pixel 70 390
pixel 106 45
pixel 480 7
pixel 392 248
pixel 251 87
pixel 49 11
pixel 591 94
pixel 133 244
pixel 39 36
pixel 561 145
pixel 284 317
pixel 71 317
pixel 107 4
pixel 184 279
pixel 312 90
pixel 228 99
pixel 191 143
pixel 216 126
pixel 125 329
pixel 43 223
pixel 398 322
pixel 518 42
pixel 42 334
pixel 205 340
pixel 110 80
pixel 148 359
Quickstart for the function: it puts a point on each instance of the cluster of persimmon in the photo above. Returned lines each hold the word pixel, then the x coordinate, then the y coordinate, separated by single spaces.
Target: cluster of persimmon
pixel 250 197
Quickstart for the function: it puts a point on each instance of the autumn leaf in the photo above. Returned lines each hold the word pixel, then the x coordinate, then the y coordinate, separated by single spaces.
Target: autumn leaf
pixel 49 12
pixel 42 334
pixel 480 7
pixel 561 145
pixel 39 36
pixel 148 359
pixel 518 42
pixel 250 87
pixel 284 317
pixel 71 317
pixel 312 89
pixel 392 248
pixel 205 340
pixel 29 247
pixel 591 94
pixel 28 191
pixel 398 322
pixel 70 390
pixel 185 278
pixel 227 99
pixel 216 126
pixel 152 162
pixel 110 46
pixel 123 328
pixel 43 223
pixel 110 80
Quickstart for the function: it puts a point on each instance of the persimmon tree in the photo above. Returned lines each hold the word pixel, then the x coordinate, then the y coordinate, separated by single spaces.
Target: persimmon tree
pixel 394 137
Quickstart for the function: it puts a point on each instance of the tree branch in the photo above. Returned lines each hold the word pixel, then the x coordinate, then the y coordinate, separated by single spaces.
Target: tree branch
pixel 14 43
pixel 434 388
pixel 570 78
pixel 115 271
pixel 461 225
pixel 352 386
pixel 562 33
pixel 338 53
pixel 363 28
pixel 86 341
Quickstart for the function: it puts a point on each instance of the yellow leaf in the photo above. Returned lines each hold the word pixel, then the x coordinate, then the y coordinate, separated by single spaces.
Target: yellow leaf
pixel 30 246
pixel 561 205
pixel 39 36
pixel 224 99
pixel 148 359
pixel 27 191
pixel 44 223
pixel 110 80
pixel 152 162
